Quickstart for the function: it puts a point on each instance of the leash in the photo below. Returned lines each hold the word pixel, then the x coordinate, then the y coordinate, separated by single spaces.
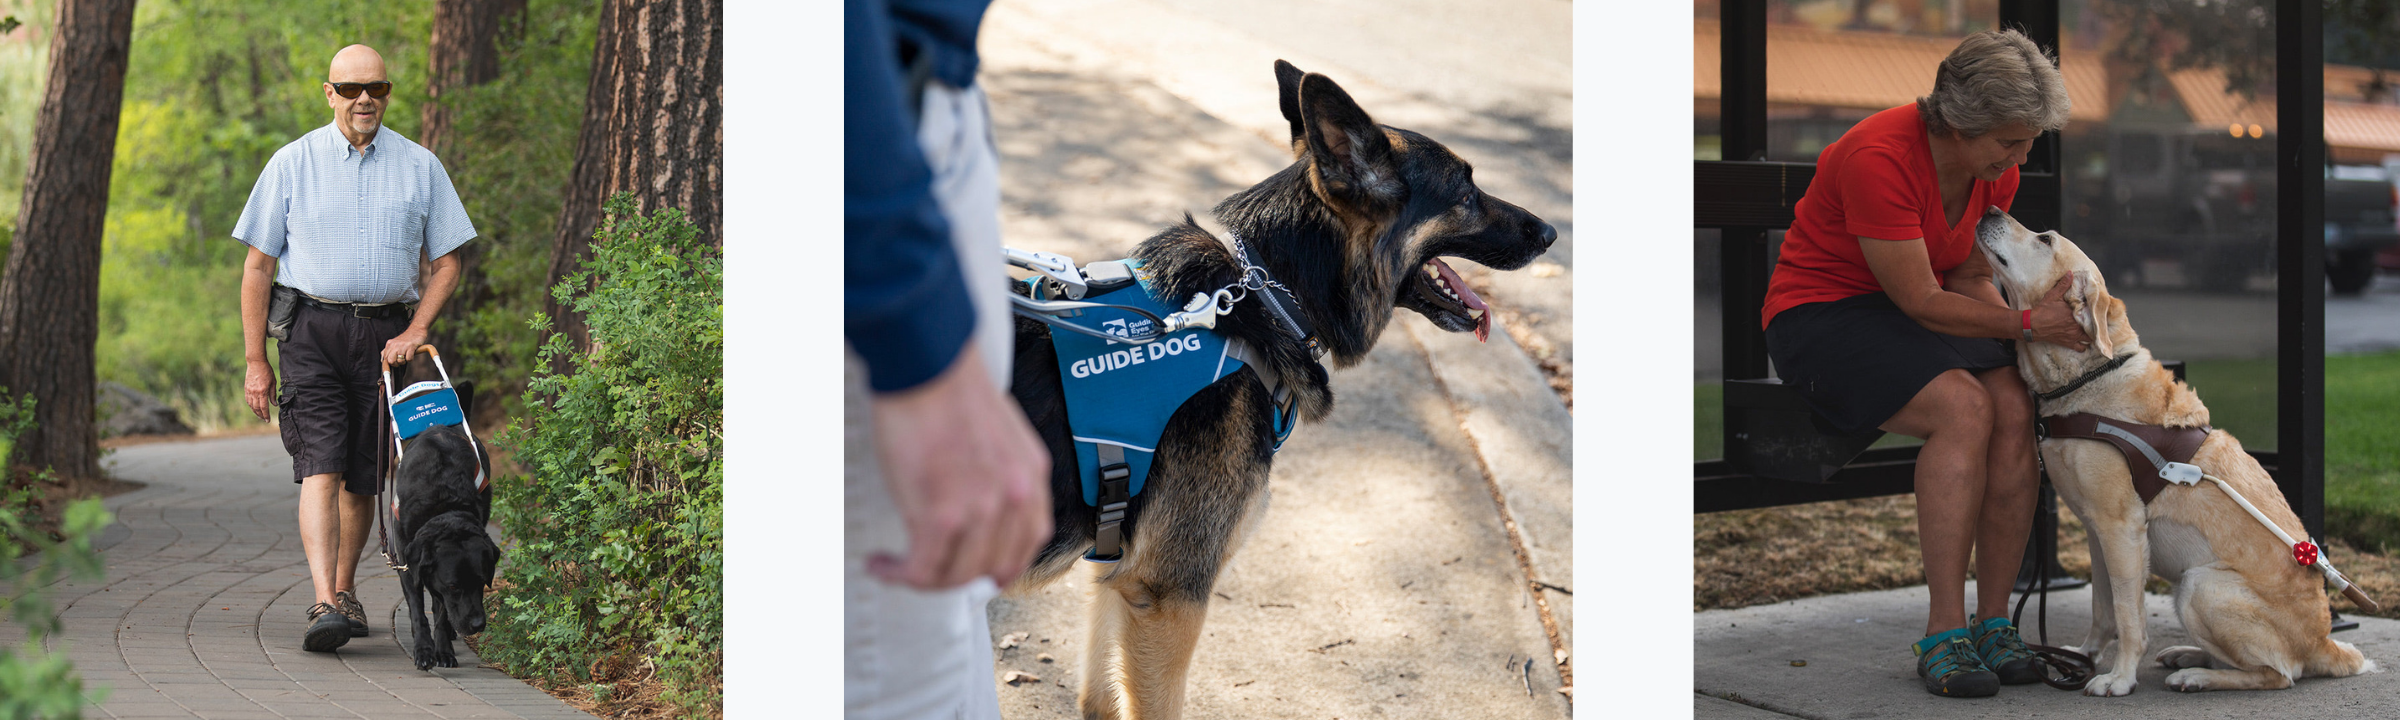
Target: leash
pixel 2073 669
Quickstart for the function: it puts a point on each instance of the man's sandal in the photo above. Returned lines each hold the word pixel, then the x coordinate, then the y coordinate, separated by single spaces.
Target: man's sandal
pixel 1947 662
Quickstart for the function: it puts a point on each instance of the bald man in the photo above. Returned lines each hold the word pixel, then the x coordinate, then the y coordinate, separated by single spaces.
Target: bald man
pixel 356 219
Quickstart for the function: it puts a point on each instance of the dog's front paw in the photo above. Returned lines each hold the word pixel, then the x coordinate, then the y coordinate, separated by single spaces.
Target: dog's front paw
pixel 424 655
pixel 2182 656
pixel 443 657
pixel 2188 680
pixel 2110 685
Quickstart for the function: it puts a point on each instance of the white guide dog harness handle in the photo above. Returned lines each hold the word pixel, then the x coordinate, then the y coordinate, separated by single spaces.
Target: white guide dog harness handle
pixel 2322 563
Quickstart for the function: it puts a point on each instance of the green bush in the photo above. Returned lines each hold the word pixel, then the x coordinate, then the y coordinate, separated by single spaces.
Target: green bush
pixel 617 529
pixel 34 681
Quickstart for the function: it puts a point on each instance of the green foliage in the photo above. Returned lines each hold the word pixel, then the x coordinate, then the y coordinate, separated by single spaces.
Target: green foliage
pixel 34 681
pixel 24 65
pixel 514 148
pixel 619 549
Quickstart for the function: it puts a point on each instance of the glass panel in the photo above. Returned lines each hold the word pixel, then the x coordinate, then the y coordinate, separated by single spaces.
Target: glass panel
pixel 2169 180
pixel 1831 63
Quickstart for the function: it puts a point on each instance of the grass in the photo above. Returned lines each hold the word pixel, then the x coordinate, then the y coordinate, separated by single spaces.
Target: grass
pixel 2362 450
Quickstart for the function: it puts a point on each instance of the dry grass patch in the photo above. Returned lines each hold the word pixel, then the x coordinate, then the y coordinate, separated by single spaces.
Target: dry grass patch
pixel 1770 555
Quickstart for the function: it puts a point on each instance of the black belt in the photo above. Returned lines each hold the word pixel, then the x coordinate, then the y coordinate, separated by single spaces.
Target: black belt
pixel 371 312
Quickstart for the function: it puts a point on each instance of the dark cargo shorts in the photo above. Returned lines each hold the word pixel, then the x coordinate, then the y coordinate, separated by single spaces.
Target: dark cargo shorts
pixel 331 403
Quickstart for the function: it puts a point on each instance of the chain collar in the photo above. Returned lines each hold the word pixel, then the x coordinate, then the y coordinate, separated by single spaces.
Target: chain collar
pixel 1282 303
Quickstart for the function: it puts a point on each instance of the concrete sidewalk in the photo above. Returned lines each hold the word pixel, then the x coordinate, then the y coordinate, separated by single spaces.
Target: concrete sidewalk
pixel 1858 666
pixel 1382 582
pixel 201 612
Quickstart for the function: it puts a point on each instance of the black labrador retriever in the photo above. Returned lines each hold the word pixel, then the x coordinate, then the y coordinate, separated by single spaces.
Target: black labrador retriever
pixel 442 543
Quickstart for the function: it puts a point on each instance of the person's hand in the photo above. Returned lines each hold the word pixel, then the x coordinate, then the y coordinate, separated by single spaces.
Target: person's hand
pixel 258 388
pixel 969 476
pixel 397 352
pixel 2054 322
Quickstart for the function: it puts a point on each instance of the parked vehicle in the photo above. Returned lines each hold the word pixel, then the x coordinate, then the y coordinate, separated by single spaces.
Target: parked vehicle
pixel 2201 202
pixel 2360 204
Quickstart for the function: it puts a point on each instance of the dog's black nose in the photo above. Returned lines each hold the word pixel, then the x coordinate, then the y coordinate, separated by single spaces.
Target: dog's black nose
pixel 1549 235
pixel 474 625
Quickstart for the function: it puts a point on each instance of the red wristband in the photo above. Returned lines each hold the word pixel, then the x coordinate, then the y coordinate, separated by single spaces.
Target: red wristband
pixel 2028 317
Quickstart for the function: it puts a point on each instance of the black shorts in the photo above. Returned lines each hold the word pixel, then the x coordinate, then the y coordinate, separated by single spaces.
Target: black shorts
pixel 1858 360
pixel 331 403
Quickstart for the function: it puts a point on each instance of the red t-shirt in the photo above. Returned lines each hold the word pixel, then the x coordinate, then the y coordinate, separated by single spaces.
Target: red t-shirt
pixel 1875 182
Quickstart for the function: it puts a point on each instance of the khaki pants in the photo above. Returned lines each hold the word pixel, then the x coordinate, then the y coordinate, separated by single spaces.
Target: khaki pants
pixel 909 654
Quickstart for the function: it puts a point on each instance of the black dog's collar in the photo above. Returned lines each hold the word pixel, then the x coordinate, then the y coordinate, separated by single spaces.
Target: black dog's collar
pixel 2088 377
pixel 1281 304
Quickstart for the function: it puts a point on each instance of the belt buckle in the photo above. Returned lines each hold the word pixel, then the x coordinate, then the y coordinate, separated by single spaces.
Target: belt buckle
pixel 360 312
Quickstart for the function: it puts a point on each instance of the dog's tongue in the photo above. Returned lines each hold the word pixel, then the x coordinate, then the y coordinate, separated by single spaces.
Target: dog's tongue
pixel 1466 296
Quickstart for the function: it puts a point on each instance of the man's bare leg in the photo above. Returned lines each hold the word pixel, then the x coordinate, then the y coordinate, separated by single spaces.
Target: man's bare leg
pixel 321 533
pixel 358 523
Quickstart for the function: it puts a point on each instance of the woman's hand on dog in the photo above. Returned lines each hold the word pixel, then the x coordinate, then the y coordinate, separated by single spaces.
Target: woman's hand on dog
pixel 258 388
pixel 2054 322
pixel 969 476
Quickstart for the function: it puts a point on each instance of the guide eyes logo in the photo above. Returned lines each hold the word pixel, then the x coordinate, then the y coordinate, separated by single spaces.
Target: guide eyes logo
pixel 1107 361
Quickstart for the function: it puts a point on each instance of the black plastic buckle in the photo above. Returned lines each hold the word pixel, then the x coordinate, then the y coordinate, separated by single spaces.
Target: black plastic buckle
pixel 1108 540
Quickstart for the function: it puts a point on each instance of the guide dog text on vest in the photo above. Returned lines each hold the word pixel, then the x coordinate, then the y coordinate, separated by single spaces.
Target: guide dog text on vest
pixel 1105 362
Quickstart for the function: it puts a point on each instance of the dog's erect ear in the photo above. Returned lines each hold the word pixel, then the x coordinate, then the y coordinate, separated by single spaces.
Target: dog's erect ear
pixel 1353 158
pixel 2091 303
pixel 1287 84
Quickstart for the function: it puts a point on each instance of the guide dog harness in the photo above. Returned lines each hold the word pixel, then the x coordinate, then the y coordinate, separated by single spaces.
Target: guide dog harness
pixel 1123 382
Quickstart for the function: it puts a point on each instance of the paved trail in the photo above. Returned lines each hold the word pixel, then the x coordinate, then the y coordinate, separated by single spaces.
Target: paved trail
pixel 201 611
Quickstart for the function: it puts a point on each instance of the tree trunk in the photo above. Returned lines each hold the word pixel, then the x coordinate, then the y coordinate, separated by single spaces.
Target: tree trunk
pixel 50 290
pixel 465 53
pixel 653 123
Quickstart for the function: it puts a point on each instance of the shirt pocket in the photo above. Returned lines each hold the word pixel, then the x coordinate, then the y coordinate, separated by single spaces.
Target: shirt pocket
pixel 400 219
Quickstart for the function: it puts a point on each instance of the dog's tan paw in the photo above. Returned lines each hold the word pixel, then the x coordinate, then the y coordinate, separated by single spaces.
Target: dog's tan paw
pixel 2182 656
pixel 2110 685
pixel 2188 680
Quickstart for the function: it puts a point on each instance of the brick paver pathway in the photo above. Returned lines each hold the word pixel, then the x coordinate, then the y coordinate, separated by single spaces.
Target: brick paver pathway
pixel 206 596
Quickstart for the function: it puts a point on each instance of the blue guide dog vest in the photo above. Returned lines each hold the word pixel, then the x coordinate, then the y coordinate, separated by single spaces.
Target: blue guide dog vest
pixel 1120 394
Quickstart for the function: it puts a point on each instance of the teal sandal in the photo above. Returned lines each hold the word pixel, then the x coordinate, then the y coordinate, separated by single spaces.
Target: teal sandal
pixel 2003 650
pixel 1947 662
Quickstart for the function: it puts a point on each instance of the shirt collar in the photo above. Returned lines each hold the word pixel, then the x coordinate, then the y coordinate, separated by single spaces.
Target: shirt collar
pixel 341 142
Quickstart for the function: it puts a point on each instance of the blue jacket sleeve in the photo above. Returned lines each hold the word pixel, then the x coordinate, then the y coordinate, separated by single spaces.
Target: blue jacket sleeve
pixel 905 305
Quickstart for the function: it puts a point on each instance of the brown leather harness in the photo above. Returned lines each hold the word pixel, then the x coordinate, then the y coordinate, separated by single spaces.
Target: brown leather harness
pixel 2151 452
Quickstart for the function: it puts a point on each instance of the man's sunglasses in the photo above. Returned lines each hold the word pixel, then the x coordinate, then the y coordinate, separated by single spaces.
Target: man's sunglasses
pixel 375 89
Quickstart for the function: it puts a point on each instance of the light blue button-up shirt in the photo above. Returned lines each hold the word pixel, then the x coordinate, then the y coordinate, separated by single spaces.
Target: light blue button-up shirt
pixel 348 226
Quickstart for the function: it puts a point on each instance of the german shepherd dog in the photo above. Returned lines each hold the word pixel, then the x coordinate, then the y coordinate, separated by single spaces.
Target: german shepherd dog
pixel 440 530
pixel 1355 227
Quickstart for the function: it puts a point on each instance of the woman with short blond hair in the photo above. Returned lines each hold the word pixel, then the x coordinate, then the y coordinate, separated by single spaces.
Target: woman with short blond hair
pixel 1884 316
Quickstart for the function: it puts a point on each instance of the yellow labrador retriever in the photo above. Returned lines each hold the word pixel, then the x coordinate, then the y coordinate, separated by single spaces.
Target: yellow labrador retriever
pixel 2260 617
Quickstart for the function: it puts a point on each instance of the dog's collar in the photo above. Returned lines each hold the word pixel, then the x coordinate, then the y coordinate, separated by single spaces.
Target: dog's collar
pixel 2087 378
pixel 1281 304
